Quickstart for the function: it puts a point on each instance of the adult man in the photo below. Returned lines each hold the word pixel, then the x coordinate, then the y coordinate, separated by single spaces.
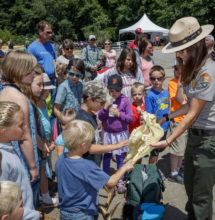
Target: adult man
pixel 43 50
pixel 91 57
pixel 134 44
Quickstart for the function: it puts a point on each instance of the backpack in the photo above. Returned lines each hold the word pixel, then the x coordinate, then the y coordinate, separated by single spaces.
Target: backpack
pixel 144 190
pixel 145 185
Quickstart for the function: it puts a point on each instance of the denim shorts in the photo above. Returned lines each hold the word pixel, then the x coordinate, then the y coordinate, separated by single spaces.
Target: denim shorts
pixel 80 215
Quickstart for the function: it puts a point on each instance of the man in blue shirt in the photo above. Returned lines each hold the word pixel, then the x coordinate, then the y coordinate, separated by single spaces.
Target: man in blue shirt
pixel 43 50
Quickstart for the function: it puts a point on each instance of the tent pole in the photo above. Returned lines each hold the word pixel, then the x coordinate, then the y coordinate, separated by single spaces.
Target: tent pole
pixel 119 42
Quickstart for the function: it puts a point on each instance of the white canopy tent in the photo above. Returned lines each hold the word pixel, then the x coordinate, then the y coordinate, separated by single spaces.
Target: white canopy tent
pixel 147 26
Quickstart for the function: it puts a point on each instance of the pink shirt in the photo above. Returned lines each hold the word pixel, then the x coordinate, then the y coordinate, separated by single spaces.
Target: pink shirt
pixel 110 58
pixel 146 67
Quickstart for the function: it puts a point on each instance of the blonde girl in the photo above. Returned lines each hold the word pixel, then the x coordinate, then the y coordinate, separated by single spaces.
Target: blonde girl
pixel 12 129
pixel 45 135
pixel 17 72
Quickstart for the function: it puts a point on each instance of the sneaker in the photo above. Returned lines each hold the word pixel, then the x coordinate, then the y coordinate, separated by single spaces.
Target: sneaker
pixel 121 188
pixel 176 178
pixel 181 172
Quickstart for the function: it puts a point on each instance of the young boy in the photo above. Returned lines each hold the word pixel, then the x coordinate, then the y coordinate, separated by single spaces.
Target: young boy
pixel 79 180
pixel 95 95
pixel 11 204
pixel 67 116
pixel 177 148
pixel 157 102
pixel 137 93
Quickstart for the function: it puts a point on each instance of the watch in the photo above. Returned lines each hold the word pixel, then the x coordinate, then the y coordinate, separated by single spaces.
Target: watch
pixel 166 116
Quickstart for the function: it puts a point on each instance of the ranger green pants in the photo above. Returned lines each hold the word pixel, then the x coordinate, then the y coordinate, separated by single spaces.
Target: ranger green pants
pixel 199 176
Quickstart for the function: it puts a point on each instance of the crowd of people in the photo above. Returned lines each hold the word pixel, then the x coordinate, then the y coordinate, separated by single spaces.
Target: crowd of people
pixel 86 107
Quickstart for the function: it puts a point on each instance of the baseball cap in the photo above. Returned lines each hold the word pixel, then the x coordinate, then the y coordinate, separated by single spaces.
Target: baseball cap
pixel 138 31
pixel 115 82
pixel 92 37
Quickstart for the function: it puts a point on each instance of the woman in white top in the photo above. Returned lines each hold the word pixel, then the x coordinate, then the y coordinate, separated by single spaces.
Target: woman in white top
pixel 127 67
pixel 68 47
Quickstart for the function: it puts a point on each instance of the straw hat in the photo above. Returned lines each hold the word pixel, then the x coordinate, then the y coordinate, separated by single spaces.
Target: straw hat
pixel 47 82
pixel 184 33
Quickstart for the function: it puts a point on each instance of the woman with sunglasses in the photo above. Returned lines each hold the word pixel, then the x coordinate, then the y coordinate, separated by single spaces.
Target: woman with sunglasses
pixel 69 93
pixel 68 55
pixel 108 55
pixel 198 78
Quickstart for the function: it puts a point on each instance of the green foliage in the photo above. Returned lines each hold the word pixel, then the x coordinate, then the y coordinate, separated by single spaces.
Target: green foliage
pixel 76 19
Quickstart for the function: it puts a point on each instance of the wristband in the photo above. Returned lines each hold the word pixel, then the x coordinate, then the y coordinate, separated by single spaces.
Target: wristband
pixel 166 116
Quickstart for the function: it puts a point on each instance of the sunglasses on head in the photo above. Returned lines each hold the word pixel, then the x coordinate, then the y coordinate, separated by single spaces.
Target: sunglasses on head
pixel 77 75
pixel 158 79
pixel 69 48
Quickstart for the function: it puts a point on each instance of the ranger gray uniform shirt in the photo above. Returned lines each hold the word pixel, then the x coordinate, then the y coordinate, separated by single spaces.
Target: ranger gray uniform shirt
pixel 203 87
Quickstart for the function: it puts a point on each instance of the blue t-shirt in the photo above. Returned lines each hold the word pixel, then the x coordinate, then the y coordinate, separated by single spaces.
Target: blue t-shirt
pixel 59 141
pixel 69 95
pixel 45 55
pixel 79 181
pixel 158 103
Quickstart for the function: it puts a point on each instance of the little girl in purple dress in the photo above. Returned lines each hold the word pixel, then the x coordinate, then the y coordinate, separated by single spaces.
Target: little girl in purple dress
pixel 115 118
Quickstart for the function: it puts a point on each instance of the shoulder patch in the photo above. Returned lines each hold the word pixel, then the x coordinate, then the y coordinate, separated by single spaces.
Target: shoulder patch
pixel 205 80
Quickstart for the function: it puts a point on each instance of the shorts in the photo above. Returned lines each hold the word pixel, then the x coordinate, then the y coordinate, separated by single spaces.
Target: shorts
pixel 177 148
pixel 157 151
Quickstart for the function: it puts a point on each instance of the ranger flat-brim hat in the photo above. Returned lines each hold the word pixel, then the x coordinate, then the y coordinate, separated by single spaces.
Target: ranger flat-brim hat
pixel 184 33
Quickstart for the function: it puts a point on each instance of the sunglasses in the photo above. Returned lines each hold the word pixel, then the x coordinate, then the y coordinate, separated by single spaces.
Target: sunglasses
pixel 69 48
pixel 92 39
pixel 107 43
pixel 77 75
pixel 49 32
pixel 158 79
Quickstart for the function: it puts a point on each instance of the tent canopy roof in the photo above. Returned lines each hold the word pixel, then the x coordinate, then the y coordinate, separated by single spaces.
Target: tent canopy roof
pixel 146 25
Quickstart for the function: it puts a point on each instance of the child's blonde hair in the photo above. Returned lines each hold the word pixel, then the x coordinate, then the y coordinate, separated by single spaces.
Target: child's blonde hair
pixel 137 85
pixel 61 70
pixel 10 196
pixel 77 132
pixel 16 65
pixel 157 68
pixel 7 112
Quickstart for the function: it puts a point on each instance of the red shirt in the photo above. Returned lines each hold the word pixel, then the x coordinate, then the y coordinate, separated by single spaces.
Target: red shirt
pixel 136 122
pixel 133 44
